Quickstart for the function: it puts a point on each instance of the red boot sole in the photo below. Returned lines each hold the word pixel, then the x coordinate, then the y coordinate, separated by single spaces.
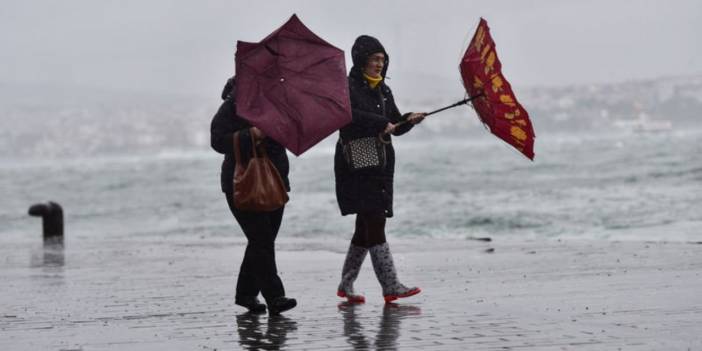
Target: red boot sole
pixel 389 298
pixel 352 299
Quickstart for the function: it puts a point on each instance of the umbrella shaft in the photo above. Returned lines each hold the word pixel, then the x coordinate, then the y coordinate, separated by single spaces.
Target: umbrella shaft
pixel 462 102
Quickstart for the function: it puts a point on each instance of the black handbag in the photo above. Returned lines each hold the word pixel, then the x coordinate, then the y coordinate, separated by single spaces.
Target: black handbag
pixel 364 153
pixel 367 152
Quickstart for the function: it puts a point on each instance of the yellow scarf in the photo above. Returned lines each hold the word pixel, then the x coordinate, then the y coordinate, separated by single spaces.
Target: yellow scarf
pixel 373 81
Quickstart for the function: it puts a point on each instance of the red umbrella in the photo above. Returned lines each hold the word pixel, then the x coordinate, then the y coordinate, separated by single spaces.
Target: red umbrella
pixel 497 106
pixel 292 85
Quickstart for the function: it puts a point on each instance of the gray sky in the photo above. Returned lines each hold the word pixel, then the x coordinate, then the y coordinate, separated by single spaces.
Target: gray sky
pixel 187 47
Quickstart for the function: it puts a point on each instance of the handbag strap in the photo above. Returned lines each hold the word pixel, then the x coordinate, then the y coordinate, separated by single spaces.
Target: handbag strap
pixel 254 147
pixel 253 144
pixel 263 153
pixel 237 153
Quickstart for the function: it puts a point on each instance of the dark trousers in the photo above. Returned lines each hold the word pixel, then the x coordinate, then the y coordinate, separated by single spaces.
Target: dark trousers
pixel 258 272
pixel 370 229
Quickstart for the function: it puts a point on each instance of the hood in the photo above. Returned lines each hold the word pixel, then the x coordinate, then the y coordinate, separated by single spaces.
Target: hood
pixel 363 47
pixel 229 88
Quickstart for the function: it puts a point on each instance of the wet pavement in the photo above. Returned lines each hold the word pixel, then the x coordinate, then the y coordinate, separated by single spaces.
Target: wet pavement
pixel 177 294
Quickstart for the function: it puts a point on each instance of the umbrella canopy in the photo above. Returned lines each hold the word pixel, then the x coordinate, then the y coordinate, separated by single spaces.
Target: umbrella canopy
pixel 292 85
pixel 497 106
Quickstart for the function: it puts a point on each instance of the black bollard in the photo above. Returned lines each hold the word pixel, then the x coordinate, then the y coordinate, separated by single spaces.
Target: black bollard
pixel 52 220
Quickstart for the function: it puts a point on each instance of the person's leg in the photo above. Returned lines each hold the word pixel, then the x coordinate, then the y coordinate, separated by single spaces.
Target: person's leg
pixel 375 228
pixel 272 286
pixel 246 286
pixel 352 264
pixel 383 264
pixel 246 281
pixel 261 229
pixel 258 227
pixel 360 232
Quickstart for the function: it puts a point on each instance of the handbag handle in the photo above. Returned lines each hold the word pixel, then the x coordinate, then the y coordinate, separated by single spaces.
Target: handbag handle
pixel 237 148
pixel 237 153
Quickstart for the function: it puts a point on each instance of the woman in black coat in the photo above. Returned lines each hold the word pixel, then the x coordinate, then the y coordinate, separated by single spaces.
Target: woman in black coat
pixel 258 272
pixel 368 192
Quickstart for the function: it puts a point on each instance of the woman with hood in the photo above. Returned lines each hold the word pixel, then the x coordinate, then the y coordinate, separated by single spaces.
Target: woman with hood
pixel 368 192
pixel 258 272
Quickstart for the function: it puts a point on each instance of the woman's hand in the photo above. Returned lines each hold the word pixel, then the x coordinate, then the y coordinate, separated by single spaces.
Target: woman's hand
pixel 416 117
pixel 389 128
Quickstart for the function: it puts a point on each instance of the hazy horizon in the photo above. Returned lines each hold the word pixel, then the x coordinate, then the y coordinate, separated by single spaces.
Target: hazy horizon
pixel 170 47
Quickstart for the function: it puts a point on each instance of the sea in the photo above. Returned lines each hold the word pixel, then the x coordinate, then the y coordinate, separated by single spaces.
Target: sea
pixel 620 185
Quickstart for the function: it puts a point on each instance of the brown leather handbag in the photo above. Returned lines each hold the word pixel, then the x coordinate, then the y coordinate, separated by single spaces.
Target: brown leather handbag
pixel 257 184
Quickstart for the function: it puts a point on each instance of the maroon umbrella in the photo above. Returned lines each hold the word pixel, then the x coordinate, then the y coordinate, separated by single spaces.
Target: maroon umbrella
pixel 292 85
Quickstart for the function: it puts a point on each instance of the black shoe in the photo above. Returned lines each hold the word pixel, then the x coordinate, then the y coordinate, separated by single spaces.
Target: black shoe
pixel 281 304
pixel 251 303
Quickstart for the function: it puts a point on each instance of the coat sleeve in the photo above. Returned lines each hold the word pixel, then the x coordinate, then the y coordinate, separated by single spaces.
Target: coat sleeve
pixel 405 127
pixel 394 113
pixel 369 120
pixel 224 124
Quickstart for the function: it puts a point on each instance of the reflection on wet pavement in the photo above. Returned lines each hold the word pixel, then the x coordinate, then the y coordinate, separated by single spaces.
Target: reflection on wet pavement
pixel 50 256
pixel 53 254
pixel 176 295
pixel 389 328
pixel 252 335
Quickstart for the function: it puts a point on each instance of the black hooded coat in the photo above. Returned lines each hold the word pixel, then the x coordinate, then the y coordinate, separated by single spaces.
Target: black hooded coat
pixel 372 109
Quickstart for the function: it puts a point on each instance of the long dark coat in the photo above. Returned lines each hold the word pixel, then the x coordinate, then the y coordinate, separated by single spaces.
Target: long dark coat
pixel 224 123
pixel 372 108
